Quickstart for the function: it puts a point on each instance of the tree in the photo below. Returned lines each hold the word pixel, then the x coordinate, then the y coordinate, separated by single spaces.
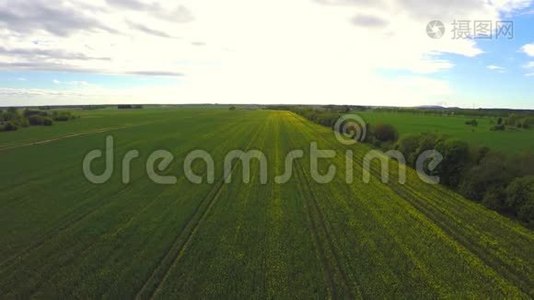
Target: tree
pixel 408 145
pixel 480 153
pixel 385 133
pixel 455 160
pixel 38 120
pixel 495 198
pixel 498 127
pixel 490 172
pixel 520 192
pixel 522 164
pixel 62 116
pixel 10 126
pixel 526 212
pixel 10 114
pixel 473 123
pixel 29 112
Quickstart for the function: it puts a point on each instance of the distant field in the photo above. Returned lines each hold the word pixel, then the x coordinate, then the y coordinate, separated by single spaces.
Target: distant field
pixel 63 237
pixel 508 141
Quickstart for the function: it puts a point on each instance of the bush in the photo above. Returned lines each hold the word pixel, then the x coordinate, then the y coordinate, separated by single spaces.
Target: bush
pixel 526 212
pixel 408 146
pixel 529 122
pixel 13 118
pixel 10 115
pixel 28 113
pixel 385 133
pixel 129 106
pixel 473 123
pixel 495 198
pixel 519 121
pixel 455 161
pixel 62 116
pixel 498 127
pixel 38 120
pixel 522 164
pixel 490 172
pixel 480 153
pixel 519 193
pixel 10 126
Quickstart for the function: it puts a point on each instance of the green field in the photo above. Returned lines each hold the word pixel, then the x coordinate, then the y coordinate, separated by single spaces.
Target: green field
pixel 64 237
pixel 510 141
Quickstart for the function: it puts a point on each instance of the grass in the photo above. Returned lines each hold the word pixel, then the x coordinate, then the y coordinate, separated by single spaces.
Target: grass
pixel 65 237
pixel 510 141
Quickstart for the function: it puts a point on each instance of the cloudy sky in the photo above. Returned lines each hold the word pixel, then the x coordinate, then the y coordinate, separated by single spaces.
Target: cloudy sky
pixel 369 52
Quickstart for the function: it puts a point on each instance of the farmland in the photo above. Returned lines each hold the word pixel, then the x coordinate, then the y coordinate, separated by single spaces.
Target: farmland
pixel 511 141
pixel 63 236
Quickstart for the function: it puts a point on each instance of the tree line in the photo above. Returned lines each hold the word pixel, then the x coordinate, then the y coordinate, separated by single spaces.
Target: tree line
pixel 13 118
pixel 504 183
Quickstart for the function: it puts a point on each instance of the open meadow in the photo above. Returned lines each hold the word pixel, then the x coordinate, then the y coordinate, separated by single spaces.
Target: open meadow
pixel 62 236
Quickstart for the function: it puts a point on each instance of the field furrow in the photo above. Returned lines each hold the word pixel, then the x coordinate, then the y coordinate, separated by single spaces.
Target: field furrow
pixel 64 237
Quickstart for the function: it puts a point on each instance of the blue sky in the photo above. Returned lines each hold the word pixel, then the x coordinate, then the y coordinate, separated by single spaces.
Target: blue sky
pixel 65 80
pixel 506 87
pixel 309 51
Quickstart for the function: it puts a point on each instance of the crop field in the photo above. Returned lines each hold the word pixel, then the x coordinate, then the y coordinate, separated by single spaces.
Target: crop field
pixel 510 141
pixel 62 236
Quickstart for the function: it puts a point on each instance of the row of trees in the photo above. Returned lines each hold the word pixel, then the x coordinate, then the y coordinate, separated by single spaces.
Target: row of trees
pixel 513 121
pixel 129 106
pixel 12 118
pixel 502 183
pixel 519 121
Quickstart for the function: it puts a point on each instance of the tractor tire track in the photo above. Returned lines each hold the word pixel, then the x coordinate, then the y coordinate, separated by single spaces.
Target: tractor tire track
pixel 428 210
pixel 107 236
pixel 433 214
pixel 375 174
pixel 63 227
pixel 335 274
pixel 493 262
pixel 59 138
pixel 153 284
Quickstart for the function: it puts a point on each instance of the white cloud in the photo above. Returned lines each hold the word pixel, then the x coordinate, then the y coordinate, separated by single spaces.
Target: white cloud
pixel 322 51
pixel 529 67
pixel 495 68
pixel 76 83
pixel 528 49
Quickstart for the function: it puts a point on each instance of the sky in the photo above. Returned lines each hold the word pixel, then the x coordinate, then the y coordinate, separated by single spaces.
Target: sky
pixel 355 52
